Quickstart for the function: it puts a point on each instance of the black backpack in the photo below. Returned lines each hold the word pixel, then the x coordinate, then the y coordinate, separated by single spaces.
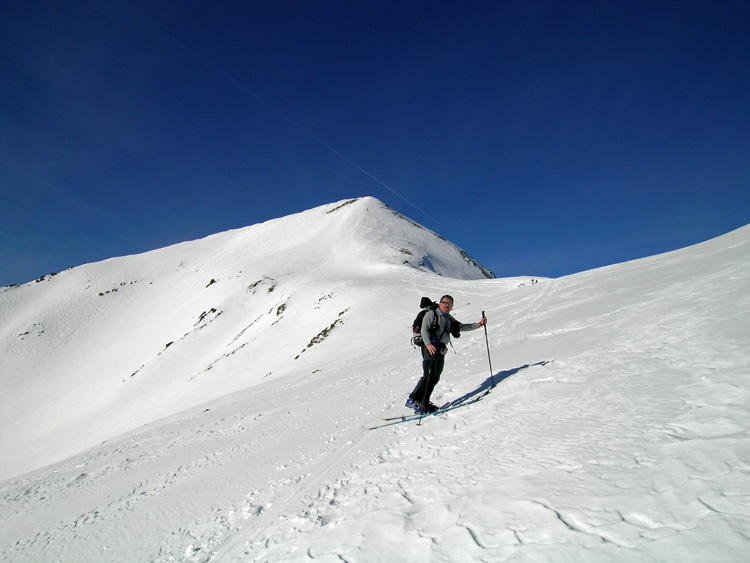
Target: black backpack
pixel 427 304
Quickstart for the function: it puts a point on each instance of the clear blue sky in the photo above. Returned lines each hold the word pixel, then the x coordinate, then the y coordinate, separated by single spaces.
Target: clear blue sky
pixel 544 138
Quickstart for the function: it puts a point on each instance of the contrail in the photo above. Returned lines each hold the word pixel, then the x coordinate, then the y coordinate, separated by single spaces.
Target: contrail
pixel 191 52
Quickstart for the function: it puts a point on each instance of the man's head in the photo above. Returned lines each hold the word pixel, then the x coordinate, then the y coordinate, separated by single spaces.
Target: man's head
pixel 446 303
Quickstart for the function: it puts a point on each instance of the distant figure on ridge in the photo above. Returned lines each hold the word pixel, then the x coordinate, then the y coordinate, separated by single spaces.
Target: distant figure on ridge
pixel 436 330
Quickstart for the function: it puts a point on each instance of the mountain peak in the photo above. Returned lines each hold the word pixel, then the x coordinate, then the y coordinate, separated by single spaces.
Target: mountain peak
pixel 378 233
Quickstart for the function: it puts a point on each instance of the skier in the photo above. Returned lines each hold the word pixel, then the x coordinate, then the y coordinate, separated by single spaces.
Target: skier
pixel 437 327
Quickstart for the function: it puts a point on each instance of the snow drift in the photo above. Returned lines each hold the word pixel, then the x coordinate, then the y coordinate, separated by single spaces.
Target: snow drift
pixel 617 429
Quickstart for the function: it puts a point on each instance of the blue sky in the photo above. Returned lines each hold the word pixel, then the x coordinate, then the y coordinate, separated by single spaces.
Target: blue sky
pixel 544 138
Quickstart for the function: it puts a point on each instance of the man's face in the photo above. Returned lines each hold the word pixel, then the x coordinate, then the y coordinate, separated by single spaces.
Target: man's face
pixel 446 305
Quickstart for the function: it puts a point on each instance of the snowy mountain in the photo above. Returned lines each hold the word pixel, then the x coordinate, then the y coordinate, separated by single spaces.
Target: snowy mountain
pixel 195 321
pixel 211 401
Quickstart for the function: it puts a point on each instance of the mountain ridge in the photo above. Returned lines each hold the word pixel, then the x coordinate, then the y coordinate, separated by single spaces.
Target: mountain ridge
pixel 276 228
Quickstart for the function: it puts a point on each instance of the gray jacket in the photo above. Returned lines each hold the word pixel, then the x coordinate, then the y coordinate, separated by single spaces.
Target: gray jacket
pixel 443 331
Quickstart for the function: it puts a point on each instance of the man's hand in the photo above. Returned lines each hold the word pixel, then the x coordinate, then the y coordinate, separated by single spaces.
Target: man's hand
pixel 431 349
pixel 483 321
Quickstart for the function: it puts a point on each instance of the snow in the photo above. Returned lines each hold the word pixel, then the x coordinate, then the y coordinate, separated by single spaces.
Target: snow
pixel 617 429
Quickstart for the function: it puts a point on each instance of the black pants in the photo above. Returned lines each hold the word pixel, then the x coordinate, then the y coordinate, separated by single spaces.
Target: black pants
pixel 432 367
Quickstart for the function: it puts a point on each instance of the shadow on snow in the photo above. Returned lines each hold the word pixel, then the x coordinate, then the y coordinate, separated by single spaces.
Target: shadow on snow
pixel 491 382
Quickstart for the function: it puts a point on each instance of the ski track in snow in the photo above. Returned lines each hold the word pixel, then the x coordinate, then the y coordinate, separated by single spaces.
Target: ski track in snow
pixel 617 431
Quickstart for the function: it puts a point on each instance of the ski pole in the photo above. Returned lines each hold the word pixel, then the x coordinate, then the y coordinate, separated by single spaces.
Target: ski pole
pixel 492 376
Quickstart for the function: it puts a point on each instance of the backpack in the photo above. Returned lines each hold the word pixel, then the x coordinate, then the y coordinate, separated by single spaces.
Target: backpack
pixel 427 304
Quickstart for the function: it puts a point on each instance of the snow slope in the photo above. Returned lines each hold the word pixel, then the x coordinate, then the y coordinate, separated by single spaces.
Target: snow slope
pixel 617 430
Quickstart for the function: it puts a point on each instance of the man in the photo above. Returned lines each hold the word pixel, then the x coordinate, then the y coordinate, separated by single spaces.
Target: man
pixel 437 326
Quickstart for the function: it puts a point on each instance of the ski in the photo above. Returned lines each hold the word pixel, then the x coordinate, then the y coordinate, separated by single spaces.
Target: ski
pixel 400 419
pixel 446 408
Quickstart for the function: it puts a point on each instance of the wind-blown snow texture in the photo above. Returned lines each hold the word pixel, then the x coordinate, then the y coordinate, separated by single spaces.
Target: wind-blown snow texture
pixel 618 429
